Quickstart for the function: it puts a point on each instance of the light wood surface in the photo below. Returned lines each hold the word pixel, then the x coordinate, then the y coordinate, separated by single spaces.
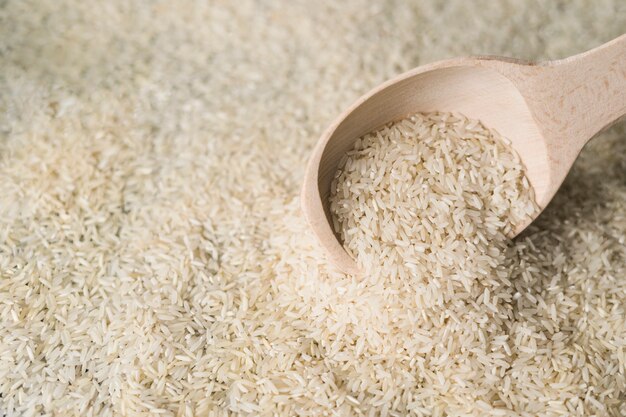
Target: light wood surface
pixel 547 110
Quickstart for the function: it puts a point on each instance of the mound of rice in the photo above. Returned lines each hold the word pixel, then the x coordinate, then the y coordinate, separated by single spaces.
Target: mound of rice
pixel 432 195
pixel 154 261
pixel 424 204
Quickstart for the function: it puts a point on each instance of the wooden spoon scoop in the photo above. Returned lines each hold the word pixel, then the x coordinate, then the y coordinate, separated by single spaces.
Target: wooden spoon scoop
pixel 547 110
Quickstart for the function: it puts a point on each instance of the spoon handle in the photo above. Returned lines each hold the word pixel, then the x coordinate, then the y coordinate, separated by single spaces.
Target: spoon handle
pixel 581 95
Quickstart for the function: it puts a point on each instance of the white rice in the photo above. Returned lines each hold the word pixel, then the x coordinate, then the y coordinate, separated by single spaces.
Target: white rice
pixel 430 196
pixel 424 205
pixel 154 261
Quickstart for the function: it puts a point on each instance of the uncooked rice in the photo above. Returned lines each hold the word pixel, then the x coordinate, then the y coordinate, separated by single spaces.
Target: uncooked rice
pixel 154 261
pixel 433 196
pixel 424 204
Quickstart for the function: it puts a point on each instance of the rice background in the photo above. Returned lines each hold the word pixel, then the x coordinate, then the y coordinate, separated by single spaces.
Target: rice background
pixel 151 158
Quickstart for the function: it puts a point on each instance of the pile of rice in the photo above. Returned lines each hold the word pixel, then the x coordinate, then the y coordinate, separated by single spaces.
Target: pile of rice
pixel 425 204
pixel 433 196
pixel 154 260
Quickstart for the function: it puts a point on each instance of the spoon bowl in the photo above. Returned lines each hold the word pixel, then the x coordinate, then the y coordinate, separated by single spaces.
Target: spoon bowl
pixel 548 111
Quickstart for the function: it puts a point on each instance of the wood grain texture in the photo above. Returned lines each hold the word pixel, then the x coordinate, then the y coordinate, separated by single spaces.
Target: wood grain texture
pixel 547 110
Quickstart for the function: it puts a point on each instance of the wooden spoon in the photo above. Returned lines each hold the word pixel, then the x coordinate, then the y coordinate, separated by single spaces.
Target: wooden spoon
pixel 548 111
